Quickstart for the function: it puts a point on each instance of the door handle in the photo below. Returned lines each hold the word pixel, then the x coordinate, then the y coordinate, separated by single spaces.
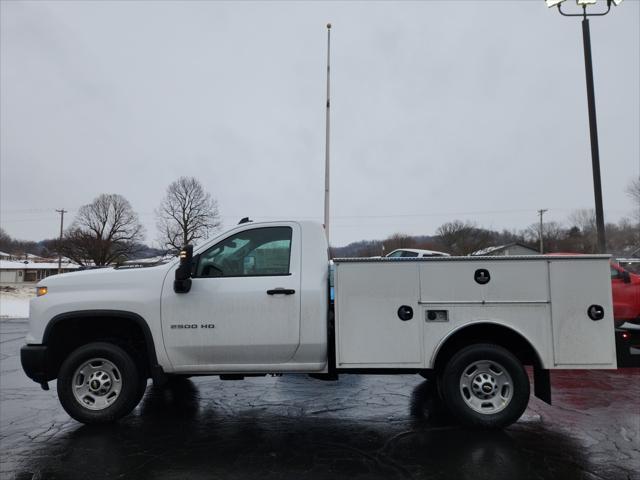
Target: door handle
pixel 281 291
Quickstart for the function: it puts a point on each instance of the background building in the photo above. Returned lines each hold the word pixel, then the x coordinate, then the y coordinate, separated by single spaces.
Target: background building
pixel 13 271
pixel 508 249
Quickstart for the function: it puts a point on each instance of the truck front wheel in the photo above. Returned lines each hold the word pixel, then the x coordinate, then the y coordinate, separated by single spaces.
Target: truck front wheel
pixel 99 383
pixel 485 386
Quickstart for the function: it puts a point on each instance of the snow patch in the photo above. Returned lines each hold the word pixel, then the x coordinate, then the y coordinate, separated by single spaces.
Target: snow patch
pixel 14 301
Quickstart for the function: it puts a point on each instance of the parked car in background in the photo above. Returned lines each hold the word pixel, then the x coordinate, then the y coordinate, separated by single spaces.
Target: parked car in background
pixel 415 253
pixel 626 295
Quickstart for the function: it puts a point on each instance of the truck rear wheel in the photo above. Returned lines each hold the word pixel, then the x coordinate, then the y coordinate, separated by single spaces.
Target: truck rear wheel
pixel 485 386
pixel 99 383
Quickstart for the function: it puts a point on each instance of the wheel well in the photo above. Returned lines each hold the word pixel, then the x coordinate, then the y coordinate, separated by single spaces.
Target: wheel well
pixel 66 333
pixel 487 333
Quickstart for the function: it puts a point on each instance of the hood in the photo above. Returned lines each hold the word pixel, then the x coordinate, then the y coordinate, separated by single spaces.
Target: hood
pixel 104 277
pixel 132 290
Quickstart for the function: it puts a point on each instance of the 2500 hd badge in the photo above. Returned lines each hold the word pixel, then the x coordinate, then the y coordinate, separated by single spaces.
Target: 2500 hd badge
pixel 181 326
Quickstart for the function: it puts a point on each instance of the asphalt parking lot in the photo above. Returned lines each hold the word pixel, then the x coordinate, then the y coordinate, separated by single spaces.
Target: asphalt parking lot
pixel 296 427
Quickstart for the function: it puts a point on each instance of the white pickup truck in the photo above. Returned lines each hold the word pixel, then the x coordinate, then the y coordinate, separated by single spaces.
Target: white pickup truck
pixel 255 300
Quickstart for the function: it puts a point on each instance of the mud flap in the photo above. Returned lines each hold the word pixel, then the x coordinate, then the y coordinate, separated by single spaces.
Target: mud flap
pixel 542 384
pixel 160 379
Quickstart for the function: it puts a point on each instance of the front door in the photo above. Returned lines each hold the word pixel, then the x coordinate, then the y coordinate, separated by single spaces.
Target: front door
pixel 244 305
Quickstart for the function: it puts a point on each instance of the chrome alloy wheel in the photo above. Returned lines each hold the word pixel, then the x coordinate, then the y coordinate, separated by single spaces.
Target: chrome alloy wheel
pixel 97 384
pixel 486 387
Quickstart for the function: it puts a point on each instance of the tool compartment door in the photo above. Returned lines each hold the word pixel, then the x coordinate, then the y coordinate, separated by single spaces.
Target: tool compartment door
pixel 369 330
pixel 577 339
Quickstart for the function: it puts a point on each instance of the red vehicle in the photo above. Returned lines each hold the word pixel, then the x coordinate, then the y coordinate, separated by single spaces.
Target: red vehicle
pixel 625 288
pixel 626 295
pixel 626 315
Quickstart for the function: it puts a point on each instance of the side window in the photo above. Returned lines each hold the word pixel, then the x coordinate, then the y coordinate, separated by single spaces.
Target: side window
pixel 409 254
pixel 256 252
pixel 396 254
pixel 615 273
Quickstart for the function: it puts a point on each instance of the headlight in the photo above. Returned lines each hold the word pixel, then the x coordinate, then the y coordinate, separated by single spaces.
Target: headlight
pixel 40 291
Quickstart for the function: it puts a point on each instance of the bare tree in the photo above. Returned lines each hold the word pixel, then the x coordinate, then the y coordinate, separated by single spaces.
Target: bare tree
pixel 363 248
pixel 623 238
pixel 187 214
pixel 462 238
pixel 398 240
pixel 633 190
pixel 585 220
pixel 553 234
pixel 104 232
pixel 5 241
pixel 20 248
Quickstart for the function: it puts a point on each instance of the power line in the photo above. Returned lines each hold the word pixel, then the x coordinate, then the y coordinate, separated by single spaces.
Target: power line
pixel 41 217
pixel 33 210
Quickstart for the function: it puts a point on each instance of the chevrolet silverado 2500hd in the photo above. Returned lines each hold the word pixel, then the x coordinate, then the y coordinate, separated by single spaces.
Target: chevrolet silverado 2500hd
pixel 255 301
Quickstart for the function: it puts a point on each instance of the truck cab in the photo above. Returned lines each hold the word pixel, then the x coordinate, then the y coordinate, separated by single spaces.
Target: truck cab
pixel 251 306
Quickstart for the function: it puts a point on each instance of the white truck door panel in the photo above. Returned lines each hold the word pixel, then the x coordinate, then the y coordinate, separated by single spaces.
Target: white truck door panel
pixel 233 320
pixel 577 339
pixel 368 328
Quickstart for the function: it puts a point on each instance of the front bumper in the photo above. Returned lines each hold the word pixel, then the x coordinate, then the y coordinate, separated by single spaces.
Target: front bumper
pixel 35 360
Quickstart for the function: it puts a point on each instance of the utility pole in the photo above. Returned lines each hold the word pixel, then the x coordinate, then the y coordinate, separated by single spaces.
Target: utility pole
pixel 541 212
pixel 326 147
pixel 61 212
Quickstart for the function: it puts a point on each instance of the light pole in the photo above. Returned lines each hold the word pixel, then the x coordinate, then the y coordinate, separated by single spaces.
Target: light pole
pixel 591 101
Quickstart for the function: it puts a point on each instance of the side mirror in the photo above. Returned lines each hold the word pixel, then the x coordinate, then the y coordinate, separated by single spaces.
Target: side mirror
pixel 626 277
pixel 182 283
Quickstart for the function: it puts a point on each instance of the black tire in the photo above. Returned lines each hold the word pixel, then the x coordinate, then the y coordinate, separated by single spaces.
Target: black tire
pixel 485 386
pixel 100 383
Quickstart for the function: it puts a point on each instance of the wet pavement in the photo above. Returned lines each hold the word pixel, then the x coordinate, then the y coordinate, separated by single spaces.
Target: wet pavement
pixel 296 427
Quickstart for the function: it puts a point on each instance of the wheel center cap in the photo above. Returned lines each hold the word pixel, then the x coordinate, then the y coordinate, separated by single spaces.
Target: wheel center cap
pixel 99 383
pixel 487 388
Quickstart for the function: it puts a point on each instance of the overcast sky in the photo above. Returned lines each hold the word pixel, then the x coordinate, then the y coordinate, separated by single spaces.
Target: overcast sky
pixel 473 110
